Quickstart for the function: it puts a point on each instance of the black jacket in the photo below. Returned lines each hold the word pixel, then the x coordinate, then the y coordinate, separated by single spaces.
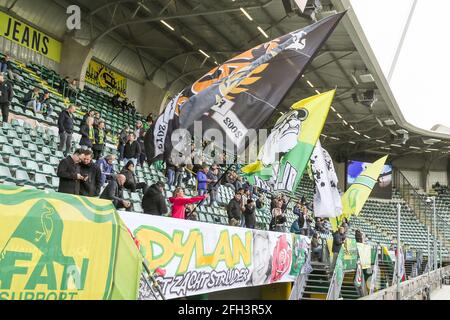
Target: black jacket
pixel 153 201
pixel 6 92
pixel 29 96
pixel 338 240
pixel 249 215
pixel 65 122
pixel 91 188
pixel 234 209
pixel 123 137
pixel 67 173
pixel 98 146
pixel 131 182
pixel 85 141
pixel 132 150
pixel 113 192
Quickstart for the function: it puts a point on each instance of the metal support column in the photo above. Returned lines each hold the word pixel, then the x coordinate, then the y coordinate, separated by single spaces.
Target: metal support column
pixel 399 211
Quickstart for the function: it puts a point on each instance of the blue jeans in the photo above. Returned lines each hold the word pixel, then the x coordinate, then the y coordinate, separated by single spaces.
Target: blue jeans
pixel 170 177
pixel 35 105
pixel 201 192
pixel 3 67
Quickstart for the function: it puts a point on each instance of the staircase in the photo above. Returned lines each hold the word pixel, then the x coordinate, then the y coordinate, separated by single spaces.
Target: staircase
pixel 318 282
pixel 348 289
pixel 409 266
pixel 423 266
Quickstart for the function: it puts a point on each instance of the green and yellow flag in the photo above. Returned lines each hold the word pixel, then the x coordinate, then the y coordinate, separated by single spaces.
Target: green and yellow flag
pixel 294 162
pixel 356 196
pixel 315 111
pixel 56 246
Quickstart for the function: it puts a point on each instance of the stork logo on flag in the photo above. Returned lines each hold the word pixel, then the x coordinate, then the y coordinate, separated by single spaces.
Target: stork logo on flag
pixel 299 41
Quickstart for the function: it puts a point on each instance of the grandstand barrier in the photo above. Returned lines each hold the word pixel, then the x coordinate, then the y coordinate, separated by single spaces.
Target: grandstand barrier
pixel 56 246
pixel 415 288
pixel 198 258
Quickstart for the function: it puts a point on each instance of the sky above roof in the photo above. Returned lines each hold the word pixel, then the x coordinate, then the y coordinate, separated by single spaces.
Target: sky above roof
pixel 419 79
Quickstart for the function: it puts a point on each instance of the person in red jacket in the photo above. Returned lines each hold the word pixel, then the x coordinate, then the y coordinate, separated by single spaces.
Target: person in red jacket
pixel 179 202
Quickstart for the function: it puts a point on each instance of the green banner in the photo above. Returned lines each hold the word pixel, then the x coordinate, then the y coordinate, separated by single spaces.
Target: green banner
pixel 56 246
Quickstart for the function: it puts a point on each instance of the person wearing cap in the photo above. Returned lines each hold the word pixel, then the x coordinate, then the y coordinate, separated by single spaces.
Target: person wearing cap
pixel 153 201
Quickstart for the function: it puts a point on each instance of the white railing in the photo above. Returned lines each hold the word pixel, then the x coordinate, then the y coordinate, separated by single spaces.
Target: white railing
pixel 411 288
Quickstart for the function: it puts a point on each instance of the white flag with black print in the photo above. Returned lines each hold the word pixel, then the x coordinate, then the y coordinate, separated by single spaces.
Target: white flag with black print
pixel 327 201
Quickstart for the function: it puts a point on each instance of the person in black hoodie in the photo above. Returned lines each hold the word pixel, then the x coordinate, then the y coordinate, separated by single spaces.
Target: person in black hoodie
pixel 65 127
pixel 90 187
pixel 69 173
pixel 6 95
pixel 132 184
pixel 140 137
pixel 123 138
pixel 132 150
pixel 249 214
pixel 153 201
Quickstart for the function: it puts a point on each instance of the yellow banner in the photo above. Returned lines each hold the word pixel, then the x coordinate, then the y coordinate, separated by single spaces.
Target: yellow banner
pixel 106 79
pixel 50 248
pixel 26 36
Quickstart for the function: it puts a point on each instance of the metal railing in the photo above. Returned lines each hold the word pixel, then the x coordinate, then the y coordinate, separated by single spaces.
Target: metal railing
pixel 424 212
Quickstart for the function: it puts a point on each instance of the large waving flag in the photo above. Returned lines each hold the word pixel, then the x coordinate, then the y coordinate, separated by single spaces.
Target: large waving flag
pixel 327 200
pixel 356 196
pixel 244 92
pixel 293 163
pixel 313 112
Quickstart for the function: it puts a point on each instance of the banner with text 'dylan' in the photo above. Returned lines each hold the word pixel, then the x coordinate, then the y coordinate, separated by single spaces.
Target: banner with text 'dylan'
pixel 247 98
pixel 56 246
pixel 203 257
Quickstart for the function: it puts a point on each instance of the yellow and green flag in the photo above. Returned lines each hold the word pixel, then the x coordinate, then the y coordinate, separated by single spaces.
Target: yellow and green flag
pixel 314 114
pixel 294 162
pixel 56 246
pixel 356 196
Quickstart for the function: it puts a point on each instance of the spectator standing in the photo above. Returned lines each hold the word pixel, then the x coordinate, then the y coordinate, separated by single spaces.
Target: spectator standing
pixel 179 203
pixel 114 192
pixel 278 218
pixel 338 240
pixel 170 172
pixel 123 138
pixel 69 173
pixel 106 167
pixel 260 201
pixel 202 180
pixel 140 136
pixel 5 64
pixel 213 187
pixel 6 96
pixel 124 105
pixel 131 150
pixel 96 118
pixel 132 108
pixel 65 127
pixel 90 113
pixel 153 201
pixel 115 101
pixel 132 184
pixel 87 134
pixel 100 139
pixel 249 214
pixel 234 210
pixel 316 248
pixel 359 236
pixel 90 187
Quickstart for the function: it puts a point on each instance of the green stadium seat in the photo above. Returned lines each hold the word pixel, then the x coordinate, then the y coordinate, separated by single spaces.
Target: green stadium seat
pixel 40 180
pixel 5 174
pixel 48 170
pixel 14 162
pixel 21 177
pixel 32 165
pixel 55 182
pixel 40 157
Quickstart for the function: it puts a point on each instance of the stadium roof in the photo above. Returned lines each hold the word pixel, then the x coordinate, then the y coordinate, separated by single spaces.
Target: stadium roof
pixel 173 42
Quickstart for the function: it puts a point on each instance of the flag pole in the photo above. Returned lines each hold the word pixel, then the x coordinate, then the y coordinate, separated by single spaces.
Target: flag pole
pixel 399 210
